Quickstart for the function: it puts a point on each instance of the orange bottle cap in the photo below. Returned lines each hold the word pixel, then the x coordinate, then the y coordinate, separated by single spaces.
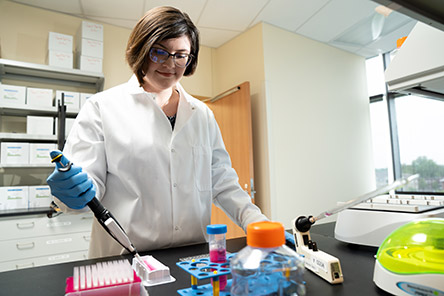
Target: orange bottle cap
pixel 265 234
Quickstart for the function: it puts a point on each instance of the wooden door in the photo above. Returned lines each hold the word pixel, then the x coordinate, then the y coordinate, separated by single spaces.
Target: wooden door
pixel 233 115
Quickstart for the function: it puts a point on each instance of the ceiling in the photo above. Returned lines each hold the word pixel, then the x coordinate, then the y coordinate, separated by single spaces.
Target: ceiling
pixel 352 25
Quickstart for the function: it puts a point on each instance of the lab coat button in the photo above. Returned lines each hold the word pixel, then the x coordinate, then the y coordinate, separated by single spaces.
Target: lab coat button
pixel 172 150
pixel 176 227
pixel 175 185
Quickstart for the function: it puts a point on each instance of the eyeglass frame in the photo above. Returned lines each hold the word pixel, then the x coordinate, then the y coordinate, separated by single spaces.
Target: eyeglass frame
pixel 190 57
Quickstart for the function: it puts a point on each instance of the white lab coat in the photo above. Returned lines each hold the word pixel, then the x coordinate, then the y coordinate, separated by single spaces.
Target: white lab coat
pixel 159 183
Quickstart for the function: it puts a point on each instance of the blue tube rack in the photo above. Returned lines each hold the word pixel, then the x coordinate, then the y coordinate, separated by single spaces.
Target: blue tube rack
pixel 203 268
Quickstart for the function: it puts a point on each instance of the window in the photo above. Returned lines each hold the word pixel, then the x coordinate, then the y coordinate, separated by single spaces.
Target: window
pixel 379 121
pixel 381 142
pixel 407 134
pixel 420 123
pixel 375 76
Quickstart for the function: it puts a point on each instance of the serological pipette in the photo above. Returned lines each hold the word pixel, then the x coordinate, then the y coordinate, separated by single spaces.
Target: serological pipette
pixel 103 216
pixel 395 185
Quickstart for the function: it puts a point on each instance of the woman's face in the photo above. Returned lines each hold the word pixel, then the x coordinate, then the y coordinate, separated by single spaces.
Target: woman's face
pixel 162 76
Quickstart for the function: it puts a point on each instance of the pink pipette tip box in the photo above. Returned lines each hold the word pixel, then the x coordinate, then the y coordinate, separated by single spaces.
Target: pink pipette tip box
pixel 151 271
pixel 111 278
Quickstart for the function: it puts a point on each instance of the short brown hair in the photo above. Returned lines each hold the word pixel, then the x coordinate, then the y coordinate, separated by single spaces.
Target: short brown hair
pixel 158 24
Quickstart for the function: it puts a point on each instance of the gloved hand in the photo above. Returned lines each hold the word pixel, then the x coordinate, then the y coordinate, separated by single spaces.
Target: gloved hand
pixel 289 240
pixel 72 186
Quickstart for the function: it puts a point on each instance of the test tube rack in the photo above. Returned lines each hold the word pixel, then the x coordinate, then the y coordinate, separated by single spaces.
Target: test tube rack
pixel 201 269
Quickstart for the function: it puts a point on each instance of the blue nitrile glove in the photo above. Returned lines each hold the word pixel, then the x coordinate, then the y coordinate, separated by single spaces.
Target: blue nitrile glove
pixel 289 239
pixel 69 184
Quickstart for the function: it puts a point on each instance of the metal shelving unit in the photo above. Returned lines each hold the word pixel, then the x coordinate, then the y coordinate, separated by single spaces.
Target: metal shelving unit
pixel 24 137
pixel 74 229
pixel 23 71
pixel 16 70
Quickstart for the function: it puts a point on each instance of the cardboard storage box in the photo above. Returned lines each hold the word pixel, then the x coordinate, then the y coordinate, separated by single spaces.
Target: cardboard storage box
pixel 15 197
pixel 39 196
pixel 60 42
pixel 60 59
pixel 12 94
pixel 83 98
pixel 90 30
pixel 90 47
pixel 39 125
pixel 90 64
pixel 14 153
pixel 39 153
pixel 39 97
pixel 71 99
pixel 68 125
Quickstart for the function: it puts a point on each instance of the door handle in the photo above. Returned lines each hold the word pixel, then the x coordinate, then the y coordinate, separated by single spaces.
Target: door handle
pixel 252 188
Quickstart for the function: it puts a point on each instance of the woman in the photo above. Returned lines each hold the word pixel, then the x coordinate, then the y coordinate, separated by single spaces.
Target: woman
pixel 150 152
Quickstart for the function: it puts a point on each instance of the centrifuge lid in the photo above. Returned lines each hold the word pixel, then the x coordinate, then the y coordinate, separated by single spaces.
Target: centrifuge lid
pixel 416 247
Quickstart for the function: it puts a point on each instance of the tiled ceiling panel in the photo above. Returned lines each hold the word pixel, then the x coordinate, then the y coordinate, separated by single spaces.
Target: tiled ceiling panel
pixel 64 6
pixel 336 17
pixel 215 37
pixel 131 10
pixel 192 7
pixel 289 14
pixel 129 24
pixel 230 15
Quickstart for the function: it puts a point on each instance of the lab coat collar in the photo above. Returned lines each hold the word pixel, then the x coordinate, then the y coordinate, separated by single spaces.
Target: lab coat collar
pixel 134 87
pixel 185 109
pixel 186 105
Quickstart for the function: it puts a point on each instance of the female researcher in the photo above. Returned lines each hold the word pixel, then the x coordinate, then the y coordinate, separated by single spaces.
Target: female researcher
pixel 150 152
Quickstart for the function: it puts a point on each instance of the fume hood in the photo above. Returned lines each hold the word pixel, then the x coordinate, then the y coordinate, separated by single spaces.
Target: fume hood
pixel 418 66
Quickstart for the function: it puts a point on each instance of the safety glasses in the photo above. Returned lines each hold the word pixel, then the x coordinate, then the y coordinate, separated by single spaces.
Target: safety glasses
pixel 160 56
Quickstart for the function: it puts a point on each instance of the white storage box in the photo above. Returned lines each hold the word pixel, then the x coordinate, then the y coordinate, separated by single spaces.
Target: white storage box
pixel 39 196
pixel 14 153
pixel 60 59
pixel 39 125
pixel 15 197
pixel 83 98
pixel 39 153
pixel 90 47
pixel 12 94
pixel 90 64
pixel 39 97
pixel 91 30
pixel 72 100
pixel 60 42
pixel 68 125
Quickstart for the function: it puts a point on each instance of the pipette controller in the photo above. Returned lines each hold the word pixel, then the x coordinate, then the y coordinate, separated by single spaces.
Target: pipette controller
pixel 105 218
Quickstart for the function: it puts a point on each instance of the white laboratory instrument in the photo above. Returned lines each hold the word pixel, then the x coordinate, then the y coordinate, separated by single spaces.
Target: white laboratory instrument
pixel 369 223
pixel 325 265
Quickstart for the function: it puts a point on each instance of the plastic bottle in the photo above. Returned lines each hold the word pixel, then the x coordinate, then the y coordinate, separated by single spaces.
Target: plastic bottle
pixel 266 266
pixel 218 248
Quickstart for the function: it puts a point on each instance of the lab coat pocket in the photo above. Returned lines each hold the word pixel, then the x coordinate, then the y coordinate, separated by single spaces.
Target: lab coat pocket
pixel 202 167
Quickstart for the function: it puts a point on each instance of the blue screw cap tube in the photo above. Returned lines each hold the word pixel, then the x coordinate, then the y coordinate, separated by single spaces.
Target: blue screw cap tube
pixel 217 247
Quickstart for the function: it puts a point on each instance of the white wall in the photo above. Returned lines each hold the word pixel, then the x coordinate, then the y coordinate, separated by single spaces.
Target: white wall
pixel 319 136
pixel 201 82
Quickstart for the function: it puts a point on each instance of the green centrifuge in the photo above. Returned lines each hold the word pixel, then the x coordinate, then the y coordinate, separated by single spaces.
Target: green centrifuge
pixel 410 261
